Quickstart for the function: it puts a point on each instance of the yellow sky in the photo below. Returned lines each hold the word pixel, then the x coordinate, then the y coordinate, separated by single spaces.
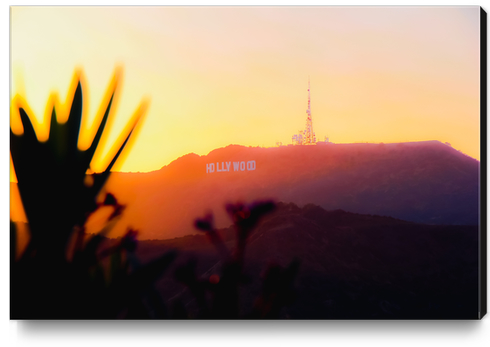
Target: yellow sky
pixel 220 75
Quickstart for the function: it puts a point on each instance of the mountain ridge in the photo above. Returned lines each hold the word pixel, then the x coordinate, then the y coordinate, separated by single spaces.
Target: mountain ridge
pixel 425 182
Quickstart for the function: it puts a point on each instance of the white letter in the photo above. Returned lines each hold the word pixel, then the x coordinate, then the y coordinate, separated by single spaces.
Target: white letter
pixel 242 165
pixel 251 165
pixel 217 167
pixel 210 167
pixel 235 165
pixel 228 163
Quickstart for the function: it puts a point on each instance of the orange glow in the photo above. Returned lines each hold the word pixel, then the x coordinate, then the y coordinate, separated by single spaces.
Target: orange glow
pixel 17 103
pixel 17 212
pixel 23 237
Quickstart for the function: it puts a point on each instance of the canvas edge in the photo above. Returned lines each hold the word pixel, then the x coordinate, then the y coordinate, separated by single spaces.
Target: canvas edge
pixel 482 297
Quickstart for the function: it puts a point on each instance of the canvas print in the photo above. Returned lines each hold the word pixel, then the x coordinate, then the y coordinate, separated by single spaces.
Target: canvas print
pixel 247 163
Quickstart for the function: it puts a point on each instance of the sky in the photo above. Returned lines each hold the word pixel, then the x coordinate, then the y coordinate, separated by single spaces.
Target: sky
pixel 214 76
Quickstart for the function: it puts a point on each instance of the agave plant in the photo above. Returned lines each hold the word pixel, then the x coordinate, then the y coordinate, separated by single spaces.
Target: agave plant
pixel 52 176
pixel 59 192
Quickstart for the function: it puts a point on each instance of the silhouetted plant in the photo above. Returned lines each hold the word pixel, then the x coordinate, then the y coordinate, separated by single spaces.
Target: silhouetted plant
pixel 62 273
pixel 277 289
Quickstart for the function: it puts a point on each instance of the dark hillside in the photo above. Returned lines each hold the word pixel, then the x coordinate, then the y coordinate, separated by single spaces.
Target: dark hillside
pixel 352 265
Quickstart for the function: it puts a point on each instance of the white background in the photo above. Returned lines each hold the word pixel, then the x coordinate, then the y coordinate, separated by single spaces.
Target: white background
pixel 214 333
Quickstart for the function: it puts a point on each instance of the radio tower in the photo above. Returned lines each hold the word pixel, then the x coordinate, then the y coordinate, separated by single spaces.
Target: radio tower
pixel 309 135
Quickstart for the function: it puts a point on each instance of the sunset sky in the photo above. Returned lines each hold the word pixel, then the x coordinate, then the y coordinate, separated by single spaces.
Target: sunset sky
pixel 216 76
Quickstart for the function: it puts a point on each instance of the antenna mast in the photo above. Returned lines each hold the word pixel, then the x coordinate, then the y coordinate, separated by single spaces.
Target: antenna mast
pixel 309 137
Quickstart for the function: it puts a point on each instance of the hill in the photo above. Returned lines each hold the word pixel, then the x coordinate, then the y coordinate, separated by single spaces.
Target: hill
pixel 424 182
pixel 353 266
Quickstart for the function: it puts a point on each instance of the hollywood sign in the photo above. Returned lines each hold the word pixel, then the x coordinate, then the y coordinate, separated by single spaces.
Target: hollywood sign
pixel 225 166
